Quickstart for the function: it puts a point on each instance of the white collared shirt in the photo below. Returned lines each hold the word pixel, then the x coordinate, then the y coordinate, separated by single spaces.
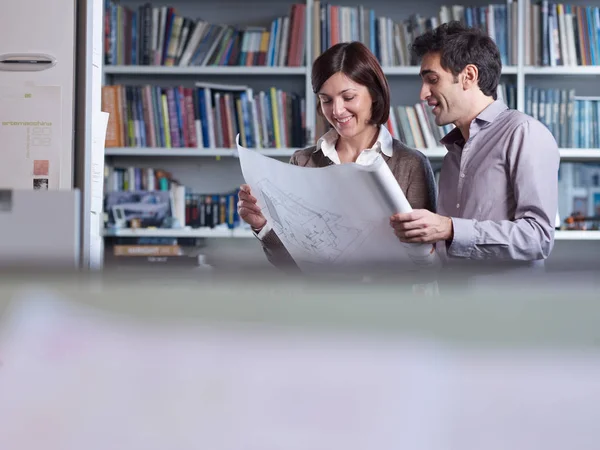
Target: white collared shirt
pixel 326 144
pixel 384 144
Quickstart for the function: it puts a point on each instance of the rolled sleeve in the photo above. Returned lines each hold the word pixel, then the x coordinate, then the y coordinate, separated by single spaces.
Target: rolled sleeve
pixel 271 240
pixel 264 232
pixel 463 241
pixel 275 251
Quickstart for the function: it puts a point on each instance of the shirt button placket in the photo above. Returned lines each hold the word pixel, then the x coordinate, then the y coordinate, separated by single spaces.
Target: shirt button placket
pixel 461 177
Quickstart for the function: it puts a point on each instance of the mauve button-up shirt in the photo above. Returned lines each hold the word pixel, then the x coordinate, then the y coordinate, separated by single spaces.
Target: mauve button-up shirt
pixel 500 188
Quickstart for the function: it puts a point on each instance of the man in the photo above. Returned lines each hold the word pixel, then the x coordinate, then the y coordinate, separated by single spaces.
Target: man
pixel 498 187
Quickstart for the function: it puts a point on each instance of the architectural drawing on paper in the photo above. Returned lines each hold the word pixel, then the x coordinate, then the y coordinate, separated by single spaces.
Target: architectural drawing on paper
pixel 320 233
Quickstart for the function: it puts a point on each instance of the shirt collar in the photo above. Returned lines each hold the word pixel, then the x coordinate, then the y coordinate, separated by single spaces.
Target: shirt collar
pixel 384 143
pixel 488 115
pixel 454 137
pixel 492 111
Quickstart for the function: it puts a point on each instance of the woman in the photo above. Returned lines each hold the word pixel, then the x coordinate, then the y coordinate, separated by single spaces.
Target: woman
pixel 354 97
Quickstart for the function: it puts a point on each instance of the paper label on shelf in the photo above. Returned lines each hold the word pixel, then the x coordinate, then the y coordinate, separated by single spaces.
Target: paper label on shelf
pixel 99 125
pixel 30 137
pixel 97 34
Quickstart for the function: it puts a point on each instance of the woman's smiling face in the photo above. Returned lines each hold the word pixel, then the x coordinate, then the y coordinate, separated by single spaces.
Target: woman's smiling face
pixel 346 105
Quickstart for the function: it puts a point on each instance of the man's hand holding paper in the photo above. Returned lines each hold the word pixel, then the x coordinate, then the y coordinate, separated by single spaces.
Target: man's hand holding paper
pixel 421 226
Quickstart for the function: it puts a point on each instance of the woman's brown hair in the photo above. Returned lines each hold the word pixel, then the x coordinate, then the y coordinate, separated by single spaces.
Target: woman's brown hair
pixel 356 61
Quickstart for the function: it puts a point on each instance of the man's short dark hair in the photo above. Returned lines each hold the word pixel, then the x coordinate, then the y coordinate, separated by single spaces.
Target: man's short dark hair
pixel 459 46
pixel 356 61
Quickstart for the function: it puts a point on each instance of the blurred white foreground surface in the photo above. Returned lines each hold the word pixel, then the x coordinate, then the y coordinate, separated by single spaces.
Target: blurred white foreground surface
pixel 73 378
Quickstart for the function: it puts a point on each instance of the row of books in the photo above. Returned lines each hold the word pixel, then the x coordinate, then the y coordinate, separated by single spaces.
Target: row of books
pixel 205 210
pixel 158 252
pixel 210 116
pixel 207 116
pixel 118 179
pixel 155 256
pixel 159 35
pixel 557 34
pixel 572 120
pixel 390 40
pixel 148 255
pixel 415 124
pixel 175 208
pixel 585 122
pixel 151 246
pixel 562 35
pixel 554 108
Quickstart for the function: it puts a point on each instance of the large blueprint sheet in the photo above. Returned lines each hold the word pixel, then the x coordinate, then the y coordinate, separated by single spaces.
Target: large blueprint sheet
pixel 336 215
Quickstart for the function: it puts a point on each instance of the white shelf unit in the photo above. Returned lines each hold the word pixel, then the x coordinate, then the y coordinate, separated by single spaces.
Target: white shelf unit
pixel 520 72
pixel 204 70
pixel 432 153
pixel 580 154
pixel 219 232
pixel 560 235
pixel 252 70
pixel 562 70
pixel 566 154
pixel 577 235
pixel 192 152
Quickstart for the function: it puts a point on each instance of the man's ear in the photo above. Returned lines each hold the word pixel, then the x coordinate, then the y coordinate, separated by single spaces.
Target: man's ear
pixel 470 77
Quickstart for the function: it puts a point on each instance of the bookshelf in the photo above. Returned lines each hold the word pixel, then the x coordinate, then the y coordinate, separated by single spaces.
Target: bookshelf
pixel 209 169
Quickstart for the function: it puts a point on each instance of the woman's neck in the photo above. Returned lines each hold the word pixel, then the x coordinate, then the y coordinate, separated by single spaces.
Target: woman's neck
pixel 349 148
